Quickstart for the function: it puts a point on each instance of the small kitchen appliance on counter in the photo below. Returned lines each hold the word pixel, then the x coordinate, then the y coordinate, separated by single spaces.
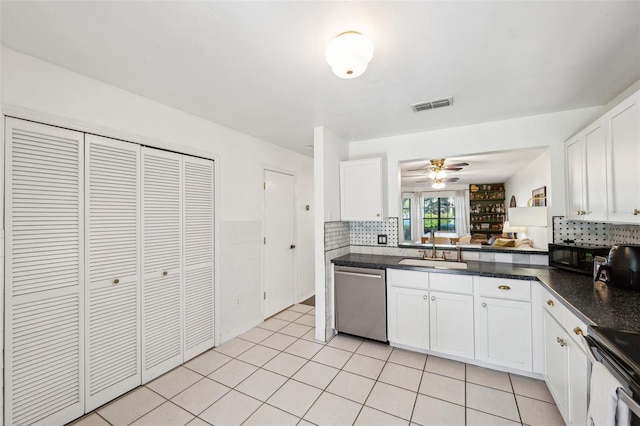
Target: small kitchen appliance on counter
pixel 575 257
pixel 622 267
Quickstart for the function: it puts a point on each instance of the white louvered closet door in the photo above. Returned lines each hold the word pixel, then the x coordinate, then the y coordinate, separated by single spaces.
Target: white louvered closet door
pixel 161 262
pixel 198 256
pixel 44 331
pixel 112 262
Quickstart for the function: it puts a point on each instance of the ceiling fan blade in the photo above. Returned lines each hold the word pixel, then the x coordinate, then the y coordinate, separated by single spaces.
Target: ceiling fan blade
pixel 457 165
pixel 452 169
pixel 424 169
pixel 451 179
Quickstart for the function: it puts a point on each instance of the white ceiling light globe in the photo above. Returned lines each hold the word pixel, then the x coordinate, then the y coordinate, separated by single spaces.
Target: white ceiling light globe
pixel 349 54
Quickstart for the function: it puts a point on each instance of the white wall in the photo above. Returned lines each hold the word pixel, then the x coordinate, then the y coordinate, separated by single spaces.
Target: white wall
pixel 534 175
pixel 328 150
pixel 58 96
pixel 526 132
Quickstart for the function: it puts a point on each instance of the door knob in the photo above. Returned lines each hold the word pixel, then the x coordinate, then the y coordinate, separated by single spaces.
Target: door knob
pixel 292 246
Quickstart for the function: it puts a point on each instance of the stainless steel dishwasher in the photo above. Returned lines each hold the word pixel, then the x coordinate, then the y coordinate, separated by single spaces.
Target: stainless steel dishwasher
pixel 361 302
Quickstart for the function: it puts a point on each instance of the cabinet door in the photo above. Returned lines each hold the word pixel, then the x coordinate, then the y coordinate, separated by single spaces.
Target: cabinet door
pixel 578 384
pixel 361 190
pixel 162 317
pixel 623 137
pixel 575 189
pixel 44 310
pixel 112 273
pixel 408 317
pixel 198 256
pixel 451 324
pixel 505 333
pixel 556 361
pixel 595 172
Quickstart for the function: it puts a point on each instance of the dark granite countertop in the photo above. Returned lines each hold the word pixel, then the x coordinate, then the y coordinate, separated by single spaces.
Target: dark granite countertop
pixel 597 304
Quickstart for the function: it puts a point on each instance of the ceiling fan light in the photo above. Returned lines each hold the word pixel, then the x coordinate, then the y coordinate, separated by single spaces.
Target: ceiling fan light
pixel 438 184
pixel 432 174
pixel 440 174
pixel 349 54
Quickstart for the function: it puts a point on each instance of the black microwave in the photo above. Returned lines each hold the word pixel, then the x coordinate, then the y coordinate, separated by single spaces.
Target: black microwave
pixel 575 257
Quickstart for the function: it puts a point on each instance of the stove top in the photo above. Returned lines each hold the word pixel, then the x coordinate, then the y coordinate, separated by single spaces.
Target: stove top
pixel 625 345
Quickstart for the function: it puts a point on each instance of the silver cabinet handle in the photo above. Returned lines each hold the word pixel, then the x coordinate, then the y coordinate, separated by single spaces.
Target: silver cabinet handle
pixel 425 297
pixel 484 305
pixel 433 298
pixel 561 341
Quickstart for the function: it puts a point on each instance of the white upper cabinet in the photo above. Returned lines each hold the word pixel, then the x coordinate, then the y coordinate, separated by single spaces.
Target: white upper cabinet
pixel 362 190
pixel 623 146
pixel 587 174
pixel 603 167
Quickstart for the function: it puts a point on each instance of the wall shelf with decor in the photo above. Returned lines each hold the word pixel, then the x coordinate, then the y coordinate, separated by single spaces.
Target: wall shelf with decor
pixel 486 208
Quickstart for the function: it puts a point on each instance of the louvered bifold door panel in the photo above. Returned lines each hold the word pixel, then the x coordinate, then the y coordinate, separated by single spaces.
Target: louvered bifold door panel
pixel 44 349
pixel 112 242
pixel 198 255
pixel 161 262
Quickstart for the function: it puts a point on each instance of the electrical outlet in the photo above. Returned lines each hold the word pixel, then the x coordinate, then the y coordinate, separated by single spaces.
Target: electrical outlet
pixel 382 239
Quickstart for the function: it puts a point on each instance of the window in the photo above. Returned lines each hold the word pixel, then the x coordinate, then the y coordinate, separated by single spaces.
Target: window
pixel 406 218
pixel 439 214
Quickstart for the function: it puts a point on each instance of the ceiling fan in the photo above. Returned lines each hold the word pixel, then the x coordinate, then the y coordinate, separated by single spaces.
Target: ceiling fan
pixel 437 169
pixel 438 183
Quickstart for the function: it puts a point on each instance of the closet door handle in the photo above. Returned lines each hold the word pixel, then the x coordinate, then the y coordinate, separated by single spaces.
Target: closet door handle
pixel 165 273
pixel 116 281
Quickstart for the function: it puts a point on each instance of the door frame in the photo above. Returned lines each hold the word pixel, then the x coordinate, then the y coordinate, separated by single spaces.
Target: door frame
pixel 265 169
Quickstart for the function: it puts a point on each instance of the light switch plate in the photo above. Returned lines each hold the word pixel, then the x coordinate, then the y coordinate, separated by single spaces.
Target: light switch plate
pixel 382 239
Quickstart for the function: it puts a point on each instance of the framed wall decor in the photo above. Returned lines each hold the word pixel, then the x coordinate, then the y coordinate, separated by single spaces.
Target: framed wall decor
pixel 539 197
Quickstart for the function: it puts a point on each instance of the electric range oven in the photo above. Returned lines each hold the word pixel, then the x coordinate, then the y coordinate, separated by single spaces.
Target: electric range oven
pixel 619 352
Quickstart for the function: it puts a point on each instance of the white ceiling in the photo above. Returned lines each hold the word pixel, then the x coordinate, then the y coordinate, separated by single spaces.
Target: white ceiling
pixel 259 67
pixel 495 167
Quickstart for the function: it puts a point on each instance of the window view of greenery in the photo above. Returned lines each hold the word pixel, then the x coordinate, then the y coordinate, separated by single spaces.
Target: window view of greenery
pixel 438 214
pixel 406 218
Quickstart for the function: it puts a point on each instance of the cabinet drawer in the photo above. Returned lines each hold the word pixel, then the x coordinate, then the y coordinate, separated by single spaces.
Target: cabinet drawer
pixel 553 306
pixel 408 279
pixel 574 327
pixel 505 288
pixel 451 283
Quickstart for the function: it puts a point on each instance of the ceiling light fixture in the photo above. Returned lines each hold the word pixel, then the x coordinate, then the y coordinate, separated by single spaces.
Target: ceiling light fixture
pixel 349 54
pixel 437 174
pixel 438 184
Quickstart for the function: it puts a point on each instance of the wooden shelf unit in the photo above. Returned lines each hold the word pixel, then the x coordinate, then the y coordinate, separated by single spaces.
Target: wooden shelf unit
pixel 486 208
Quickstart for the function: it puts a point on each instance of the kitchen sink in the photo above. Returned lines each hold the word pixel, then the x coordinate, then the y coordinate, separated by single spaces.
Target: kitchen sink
pixel 444 264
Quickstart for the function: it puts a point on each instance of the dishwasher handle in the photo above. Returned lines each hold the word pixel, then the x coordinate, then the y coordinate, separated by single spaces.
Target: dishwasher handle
pixel 358 274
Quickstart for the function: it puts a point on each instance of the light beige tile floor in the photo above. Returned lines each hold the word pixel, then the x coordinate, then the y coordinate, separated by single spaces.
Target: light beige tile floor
pixel 278 374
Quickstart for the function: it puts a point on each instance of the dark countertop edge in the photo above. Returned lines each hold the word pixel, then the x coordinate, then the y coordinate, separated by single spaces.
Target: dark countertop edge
pixel 476 247
pixel 543 274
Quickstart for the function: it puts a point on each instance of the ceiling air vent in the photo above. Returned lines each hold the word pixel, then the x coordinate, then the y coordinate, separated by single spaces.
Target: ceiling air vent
pixel 438 103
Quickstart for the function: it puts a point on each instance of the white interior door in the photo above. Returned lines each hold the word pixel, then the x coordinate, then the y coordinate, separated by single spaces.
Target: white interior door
pixel 279 243
pixel 44 312
pixel 198 256
pixel 112 241
pixel 161 262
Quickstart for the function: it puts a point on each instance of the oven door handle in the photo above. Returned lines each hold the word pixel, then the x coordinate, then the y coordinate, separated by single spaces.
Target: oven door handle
pixel 589 346
pixel 624 396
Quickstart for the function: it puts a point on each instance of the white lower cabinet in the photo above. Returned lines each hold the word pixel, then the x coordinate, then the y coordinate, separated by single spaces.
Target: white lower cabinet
pixel 408 317
pixel 505 323
pixel 451 323
pixel 565 361
pixel 505 333
pixel 430 320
